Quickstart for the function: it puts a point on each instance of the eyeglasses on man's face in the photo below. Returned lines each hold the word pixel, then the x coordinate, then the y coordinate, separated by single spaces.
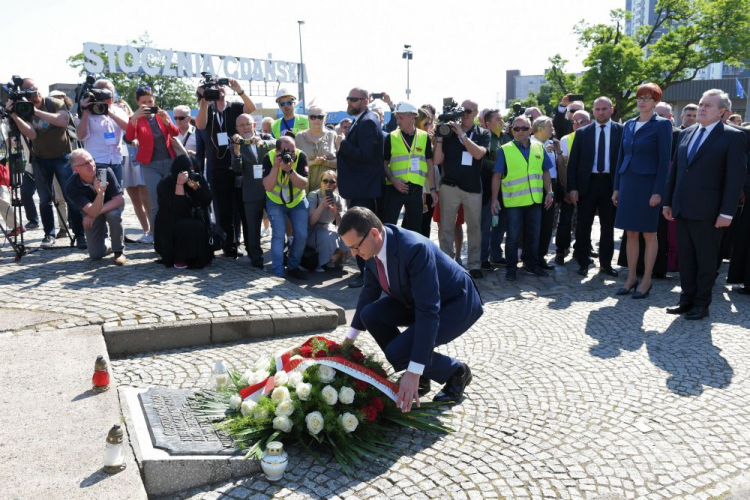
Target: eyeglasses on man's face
pixel 356 247
pixel 521 129
pixel 90 161
pixel 355 99
pixel 581 121
pixel 180 118
pixel 286 103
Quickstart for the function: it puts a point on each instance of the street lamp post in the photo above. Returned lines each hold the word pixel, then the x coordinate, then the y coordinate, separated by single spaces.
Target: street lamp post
pixel 301 69
pixel 408 54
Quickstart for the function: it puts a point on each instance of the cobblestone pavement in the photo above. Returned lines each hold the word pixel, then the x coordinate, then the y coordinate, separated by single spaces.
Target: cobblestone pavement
pixel 574 396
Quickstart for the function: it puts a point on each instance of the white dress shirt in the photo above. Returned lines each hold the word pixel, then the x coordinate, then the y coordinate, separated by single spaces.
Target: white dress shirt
pixel 104 136
pixel 705 134
pixel 607 134
pixel 190 144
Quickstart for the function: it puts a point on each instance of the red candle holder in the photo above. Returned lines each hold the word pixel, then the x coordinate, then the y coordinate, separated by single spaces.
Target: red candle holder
pixel 101 375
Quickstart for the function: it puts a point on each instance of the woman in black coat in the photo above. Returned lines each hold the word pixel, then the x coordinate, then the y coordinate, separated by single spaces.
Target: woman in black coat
pixel 181 225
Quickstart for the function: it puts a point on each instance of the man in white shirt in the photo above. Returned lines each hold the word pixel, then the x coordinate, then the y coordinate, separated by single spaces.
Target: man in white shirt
pixel 187 131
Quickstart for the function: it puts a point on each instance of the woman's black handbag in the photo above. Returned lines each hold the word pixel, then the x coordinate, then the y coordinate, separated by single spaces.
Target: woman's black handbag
pixel 309 258
pixel 215 234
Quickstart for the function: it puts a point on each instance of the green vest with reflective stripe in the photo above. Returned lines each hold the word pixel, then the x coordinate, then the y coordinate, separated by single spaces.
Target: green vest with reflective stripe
pixel 523 184
pixel 284 186
pixel 300 123
pixel 400 162
pixel 569 143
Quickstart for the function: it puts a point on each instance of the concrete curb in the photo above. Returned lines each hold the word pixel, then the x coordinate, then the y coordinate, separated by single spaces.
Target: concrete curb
pixel 127 340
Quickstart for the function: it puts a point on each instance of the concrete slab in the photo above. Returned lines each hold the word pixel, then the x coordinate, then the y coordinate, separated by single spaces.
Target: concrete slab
pixel 123 340
pixel 241 328
pixel 52 426
pixel 290 324
pixel 164 474
pixel 21 319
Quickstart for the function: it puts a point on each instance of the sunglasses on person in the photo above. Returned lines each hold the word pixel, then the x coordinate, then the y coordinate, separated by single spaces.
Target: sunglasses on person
pixel 286 103
pixel 180 118
pixel 581 121
pixel 355 99
pixel 520 129
pixel 328 181
pixel 317 117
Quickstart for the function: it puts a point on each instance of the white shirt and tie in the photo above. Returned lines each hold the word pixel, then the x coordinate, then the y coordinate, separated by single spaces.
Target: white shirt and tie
pixel 605 129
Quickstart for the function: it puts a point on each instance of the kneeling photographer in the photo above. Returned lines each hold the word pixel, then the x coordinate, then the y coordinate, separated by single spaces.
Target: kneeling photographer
pixel 285 180
pixel 102 125
pixel 460 146
pixel 45 121
pixel 181 231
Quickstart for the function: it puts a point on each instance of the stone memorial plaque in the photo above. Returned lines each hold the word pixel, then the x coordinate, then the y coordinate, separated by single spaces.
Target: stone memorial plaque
pixel 175 429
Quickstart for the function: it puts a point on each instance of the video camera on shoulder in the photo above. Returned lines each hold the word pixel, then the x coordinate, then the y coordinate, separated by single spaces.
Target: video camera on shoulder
pixel 452 112
pixel 96 98
pixel 210 92
pixel 21 98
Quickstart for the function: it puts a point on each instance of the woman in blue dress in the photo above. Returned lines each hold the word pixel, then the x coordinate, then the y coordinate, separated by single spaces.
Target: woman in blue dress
pixel 640 180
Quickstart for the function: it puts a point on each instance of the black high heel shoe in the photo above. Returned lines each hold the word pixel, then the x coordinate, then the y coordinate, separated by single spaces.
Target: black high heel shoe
pixel 626 291
pixel 639 295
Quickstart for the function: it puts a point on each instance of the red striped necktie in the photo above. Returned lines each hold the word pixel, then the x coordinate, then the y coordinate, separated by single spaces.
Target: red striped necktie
pixel 382 279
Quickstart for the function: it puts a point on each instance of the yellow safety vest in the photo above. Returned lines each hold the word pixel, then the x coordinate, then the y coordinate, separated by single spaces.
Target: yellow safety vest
pixel 569 143
pixel 284 186
pixel 300 123
pixel 523 184
pixel 401 157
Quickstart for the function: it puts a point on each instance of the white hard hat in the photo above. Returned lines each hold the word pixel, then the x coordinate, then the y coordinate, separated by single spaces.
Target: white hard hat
pixel 284 92
pixel 405 107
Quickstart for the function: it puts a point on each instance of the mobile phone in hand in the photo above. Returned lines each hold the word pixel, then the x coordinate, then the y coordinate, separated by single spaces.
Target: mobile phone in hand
pixel 154 109
pixel 576 97
pixel 329 194
pixel 103 176
pixel 377 95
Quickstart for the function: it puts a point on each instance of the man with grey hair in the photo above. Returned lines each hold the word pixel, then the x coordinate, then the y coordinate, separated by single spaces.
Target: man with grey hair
pixel 703 189
pixel 533 114
pixel 187 135
pixel 563 119
pixel 688 116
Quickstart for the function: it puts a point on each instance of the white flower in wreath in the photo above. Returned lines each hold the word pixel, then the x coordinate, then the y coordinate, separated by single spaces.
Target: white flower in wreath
pixel 260 413
pixel 330 395
pixel 314 422
pixel 285 409
pixel 246 377
pixel 261 364
pixel 258 377
pixel 280 394
pixel 235 401
pixel 346 395
pixel 349 422
pixel 281 378
pixel 303 391
pixel 326 374
pixel 282 424
pixel 247 407
pixel 295 378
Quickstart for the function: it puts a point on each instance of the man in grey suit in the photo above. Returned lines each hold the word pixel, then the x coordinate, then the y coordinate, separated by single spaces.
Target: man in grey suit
pixel 703 189
pixel 247 160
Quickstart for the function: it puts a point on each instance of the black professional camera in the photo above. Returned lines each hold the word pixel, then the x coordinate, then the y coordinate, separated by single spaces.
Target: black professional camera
pixel 452 112
pixel 193 175
pixel 21 98
pixel 96 97
pixel 209 82
pixel 286 157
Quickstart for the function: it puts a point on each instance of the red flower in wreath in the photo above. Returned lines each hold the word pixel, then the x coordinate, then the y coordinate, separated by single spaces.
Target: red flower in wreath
pixel 378 404
pixel 361 386
pixel 305 351
pixel 370 413
pixel 357 355
pixel 321 354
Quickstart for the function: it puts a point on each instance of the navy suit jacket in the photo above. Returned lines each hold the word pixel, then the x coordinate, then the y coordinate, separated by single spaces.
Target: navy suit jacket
pixel 581 159
pixel 360 159
pixel 422 278
pixel 711 184
pixel 646 152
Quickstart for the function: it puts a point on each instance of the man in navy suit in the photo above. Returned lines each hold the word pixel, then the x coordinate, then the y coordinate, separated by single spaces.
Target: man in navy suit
pixel 703 189
pixel 425 290
pixel 593 159
pixel 360 160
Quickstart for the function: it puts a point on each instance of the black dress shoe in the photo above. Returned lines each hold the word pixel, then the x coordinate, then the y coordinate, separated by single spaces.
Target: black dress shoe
pixel 626 291
pixel 454 388
pixel 296 273
pixel 609 272
pixel 357 282
pixel 499 263
pixel 680 309
pixel 642 295
pixel 546 266
pixel 583 270
pixel 594 254
pixel 697 312
pixel 560 260
pixel 486 265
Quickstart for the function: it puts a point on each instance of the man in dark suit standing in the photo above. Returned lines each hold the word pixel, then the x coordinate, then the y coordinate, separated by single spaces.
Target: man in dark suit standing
pixel 425 290
pixel 591 165
pixel 360 160
pixel 703 188
pixel 563 119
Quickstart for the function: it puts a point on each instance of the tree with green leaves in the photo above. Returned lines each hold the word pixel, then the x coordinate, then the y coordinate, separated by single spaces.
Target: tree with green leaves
pixel 686 36
pixel 168 91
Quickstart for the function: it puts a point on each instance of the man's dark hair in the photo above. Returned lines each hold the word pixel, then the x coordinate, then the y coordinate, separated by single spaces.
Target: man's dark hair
pixel 360 219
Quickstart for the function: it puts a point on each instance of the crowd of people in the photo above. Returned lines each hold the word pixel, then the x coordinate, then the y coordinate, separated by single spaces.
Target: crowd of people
pixel 217 182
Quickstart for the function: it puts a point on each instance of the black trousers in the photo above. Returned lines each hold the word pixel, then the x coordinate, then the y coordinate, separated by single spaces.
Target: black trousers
pixel 372 204
pixel 698 243
pixel 548 221
pixel 564 225
pixel 254 218
pixel 598 197
pixel 394 200
pixel 228 202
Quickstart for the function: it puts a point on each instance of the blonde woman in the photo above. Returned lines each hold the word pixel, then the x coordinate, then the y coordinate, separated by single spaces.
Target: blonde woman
pixel 318 143
pixel 323 211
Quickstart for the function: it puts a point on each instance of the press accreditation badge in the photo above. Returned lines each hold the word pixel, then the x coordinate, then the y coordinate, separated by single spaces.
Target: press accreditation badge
pixel 222 138
pixel 466 158
pixel 109 139
pixel 414 165
pixel 257 171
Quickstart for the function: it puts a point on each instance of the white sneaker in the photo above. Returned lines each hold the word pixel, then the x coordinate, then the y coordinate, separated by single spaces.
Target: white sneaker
pixel 48 241
pixel 147 238
pixel 320 270
pixel 265 232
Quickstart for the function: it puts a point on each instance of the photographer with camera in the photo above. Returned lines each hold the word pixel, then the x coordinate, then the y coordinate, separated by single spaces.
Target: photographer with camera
pixel 45 123
pixel 181 232
pixel 285 180
pixel 219 119
pixel 248 153
pixel 98 196
pixel 460 146
pixel 154 130
pixel 102 126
